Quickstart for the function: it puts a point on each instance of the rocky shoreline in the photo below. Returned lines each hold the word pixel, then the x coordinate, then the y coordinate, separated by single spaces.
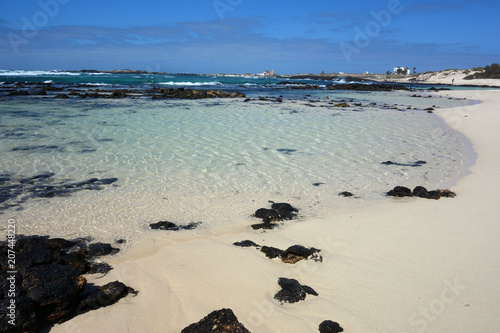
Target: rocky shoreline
pixel 48 286
pixel 81 91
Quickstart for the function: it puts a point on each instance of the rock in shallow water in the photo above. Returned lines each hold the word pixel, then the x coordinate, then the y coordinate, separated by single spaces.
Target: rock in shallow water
pixel 167 225
pixel 421 192
pixel 220 321
pixel 278 212
pixel 400 191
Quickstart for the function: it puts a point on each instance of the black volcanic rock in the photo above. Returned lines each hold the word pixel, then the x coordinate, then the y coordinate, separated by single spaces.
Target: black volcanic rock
pixel 278 212
pixel 167 225
pixel 106 295
pixel 271 252
pixel 48 280
pixel 292 291
pixel 329 326
pixel 400 191
pixel 182 93
pixel 221 321
pixel 296 253
pixel 421 192
pixel 292 255
pixel 268 215
pixel 246 243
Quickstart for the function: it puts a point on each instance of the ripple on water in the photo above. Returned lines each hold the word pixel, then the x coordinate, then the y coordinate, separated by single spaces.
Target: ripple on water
pixel 217 162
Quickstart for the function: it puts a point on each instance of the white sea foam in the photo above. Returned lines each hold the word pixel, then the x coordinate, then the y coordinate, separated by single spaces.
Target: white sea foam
pixel 172 83
pixel 35 73
pixel 95 84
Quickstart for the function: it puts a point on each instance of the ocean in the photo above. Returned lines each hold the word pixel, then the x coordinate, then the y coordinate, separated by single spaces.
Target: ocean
pixel 107 168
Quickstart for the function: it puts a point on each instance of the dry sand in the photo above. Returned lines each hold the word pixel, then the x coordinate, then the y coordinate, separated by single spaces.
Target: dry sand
pixel 449 77
pixel 405 265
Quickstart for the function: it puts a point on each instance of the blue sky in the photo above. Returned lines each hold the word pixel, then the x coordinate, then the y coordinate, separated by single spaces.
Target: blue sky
pixel 249 36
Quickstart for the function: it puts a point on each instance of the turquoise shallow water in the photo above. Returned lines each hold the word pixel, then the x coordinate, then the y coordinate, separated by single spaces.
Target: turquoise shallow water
pixel 217 161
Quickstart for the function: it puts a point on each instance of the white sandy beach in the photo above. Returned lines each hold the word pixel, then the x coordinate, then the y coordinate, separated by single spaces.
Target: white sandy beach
pixel 405 265
pixel 449 77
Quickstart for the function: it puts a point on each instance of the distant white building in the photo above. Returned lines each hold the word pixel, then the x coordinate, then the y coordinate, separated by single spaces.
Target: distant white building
pixel 402 70
pixel 266 73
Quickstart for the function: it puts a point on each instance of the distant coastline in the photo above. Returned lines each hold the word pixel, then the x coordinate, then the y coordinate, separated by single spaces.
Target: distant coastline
pixel 445 77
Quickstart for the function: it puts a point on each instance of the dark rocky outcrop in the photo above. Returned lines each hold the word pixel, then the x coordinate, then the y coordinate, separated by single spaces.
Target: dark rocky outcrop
pixel 292 255
pixel 346 194
pixel 271 252
pixel 367 87
pixel 183 93
pixel 292 291
pixel 48 281
pixel 400 191
pixel 329 326
pixel 278 212
pixel 438 89
pixel 69 90
pixel 106 295
pixel 421 192
pixel 166 225
pixel 247 243
pixel 296 253
pixel 220 321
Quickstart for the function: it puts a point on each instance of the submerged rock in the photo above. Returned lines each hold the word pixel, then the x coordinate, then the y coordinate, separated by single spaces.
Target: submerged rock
pixel 414 164
pixel 292 291
pixel 18 190
pixel 221 321
pixel 167 225
pixel 342 105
